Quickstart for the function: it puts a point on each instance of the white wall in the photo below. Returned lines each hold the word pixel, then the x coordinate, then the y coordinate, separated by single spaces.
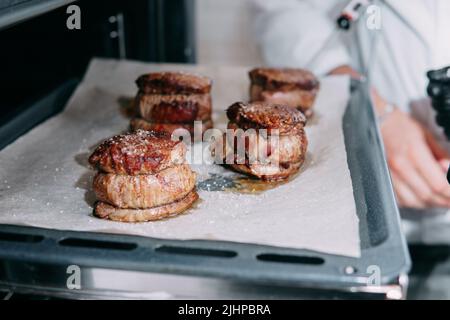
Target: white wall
pixel 224 34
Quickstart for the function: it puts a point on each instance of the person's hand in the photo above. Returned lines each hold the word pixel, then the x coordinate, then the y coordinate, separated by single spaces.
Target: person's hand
pixel 417 163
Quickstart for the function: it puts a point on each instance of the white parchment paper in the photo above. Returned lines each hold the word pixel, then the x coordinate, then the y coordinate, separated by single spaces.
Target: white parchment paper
pixel 45 180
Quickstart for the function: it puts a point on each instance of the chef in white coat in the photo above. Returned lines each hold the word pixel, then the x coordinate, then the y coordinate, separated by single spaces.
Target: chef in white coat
pixel 394 44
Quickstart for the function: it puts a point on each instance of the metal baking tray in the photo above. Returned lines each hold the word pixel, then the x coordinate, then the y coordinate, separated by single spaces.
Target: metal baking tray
pixel 29 255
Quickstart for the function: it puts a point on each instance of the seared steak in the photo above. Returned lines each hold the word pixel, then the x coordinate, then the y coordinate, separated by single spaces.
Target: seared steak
pixel 171 100
pixel 143 177
pixel 107 211
pixel 141 152
pixel 144 191
pixel 266 157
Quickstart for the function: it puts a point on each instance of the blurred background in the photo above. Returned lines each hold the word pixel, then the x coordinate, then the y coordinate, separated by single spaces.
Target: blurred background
pixel 225 34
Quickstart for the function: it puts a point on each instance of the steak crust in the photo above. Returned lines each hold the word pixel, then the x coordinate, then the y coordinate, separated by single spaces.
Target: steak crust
pixel 261 115
pixel 144 191
pixel 106 211
pixel 140 152
pixel 173 83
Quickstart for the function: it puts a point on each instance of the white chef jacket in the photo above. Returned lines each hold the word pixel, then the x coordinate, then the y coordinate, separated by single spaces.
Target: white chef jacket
pixel 414 37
